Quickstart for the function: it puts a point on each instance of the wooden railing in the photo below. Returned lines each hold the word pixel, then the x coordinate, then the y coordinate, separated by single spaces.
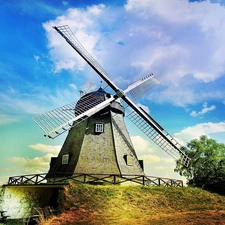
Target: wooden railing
pixel 40 179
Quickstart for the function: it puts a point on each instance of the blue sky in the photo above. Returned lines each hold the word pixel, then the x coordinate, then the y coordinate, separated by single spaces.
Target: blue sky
pixel 181 42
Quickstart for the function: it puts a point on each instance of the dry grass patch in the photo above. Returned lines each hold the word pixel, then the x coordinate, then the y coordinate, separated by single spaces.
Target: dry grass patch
pixel 114 204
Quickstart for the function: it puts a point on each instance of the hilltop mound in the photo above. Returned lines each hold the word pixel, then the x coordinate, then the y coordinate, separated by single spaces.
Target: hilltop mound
pixel 88 204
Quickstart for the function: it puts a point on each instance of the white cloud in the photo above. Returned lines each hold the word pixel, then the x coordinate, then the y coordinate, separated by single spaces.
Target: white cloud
pixel 73 86
pixel 46 148
pixel 167 160
pixel 79 21
pixel 168 171
pixel 6 118
pixel 150 159
pixel 36 103
pixel 196 131
pixel 179 96
pixel 173 39
pixel 65 3
pixel 141 145
pixel 26 165
pixel 180 12
pixel 160 168
pixel 36 57
pixel 3 180
pixel 13 101
pixel 29 166
pixel 164 168
pixel 204 110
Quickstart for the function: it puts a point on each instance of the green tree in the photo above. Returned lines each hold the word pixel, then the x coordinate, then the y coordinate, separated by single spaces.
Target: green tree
pixel 207 166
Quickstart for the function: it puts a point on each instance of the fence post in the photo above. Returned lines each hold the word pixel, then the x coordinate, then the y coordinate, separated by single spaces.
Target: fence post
pixel 114 179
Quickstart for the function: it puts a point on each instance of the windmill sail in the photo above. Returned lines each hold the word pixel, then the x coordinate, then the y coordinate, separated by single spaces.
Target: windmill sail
pixel 88 87
pixel 57 121
pixel 142 86
pixel 68 35
pixel 138 115
pixel 169 144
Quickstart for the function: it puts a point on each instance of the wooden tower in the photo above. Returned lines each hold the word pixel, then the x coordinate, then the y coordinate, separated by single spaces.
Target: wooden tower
pixel 98 145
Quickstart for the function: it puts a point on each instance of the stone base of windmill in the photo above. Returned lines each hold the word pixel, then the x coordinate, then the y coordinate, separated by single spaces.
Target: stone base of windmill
pixel 24 201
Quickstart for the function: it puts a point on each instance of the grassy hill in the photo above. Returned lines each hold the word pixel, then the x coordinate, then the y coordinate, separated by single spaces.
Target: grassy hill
pixel 112 204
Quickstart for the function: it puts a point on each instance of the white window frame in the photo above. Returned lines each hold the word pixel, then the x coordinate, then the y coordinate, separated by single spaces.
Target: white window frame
pixel 99 128
pixel 65 159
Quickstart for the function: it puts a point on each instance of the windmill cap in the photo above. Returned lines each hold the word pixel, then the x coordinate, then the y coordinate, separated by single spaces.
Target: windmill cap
pixel 92 99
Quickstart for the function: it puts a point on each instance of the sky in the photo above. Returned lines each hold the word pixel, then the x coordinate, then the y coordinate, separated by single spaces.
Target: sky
pixel 180 41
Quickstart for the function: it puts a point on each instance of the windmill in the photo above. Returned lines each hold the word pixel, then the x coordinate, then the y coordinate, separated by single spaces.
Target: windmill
pixel 98 141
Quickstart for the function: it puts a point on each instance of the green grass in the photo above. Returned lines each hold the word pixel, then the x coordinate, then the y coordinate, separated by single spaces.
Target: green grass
pixel 114 204
pixel 14 222
pixel 125 205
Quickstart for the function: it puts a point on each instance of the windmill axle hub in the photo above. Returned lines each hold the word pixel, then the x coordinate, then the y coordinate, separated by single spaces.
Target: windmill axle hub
pixel 120 93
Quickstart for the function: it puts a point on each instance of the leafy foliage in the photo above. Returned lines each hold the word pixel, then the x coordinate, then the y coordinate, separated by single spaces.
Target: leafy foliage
pixel 207 166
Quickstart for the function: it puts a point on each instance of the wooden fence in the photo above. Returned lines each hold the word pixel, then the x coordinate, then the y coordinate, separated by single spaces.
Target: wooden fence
pixel 40 179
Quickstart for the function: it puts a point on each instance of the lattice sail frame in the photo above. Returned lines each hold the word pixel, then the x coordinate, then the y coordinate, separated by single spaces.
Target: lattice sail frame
pixel 67 33
pixel 142 86
pixel 59 120
pixel 155 136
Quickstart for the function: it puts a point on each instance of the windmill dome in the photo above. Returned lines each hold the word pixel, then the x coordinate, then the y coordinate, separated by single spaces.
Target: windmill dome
pixel 94 98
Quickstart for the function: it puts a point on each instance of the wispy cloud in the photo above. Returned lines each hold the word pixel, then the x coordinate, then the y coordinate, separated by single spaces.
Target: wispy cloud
pixel 65 3
pixel 37 102
pixel 36 57
pixel 73 86
pixel 46 148
pixel 204 110
pixel 6 118
pixel 150 158
pixel 31 165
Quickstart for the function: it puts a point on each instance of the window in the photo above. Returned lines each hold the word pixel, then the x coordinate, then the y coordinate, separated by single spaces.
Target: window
pixel 99 128
pixel 65 159
pixel 128 159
